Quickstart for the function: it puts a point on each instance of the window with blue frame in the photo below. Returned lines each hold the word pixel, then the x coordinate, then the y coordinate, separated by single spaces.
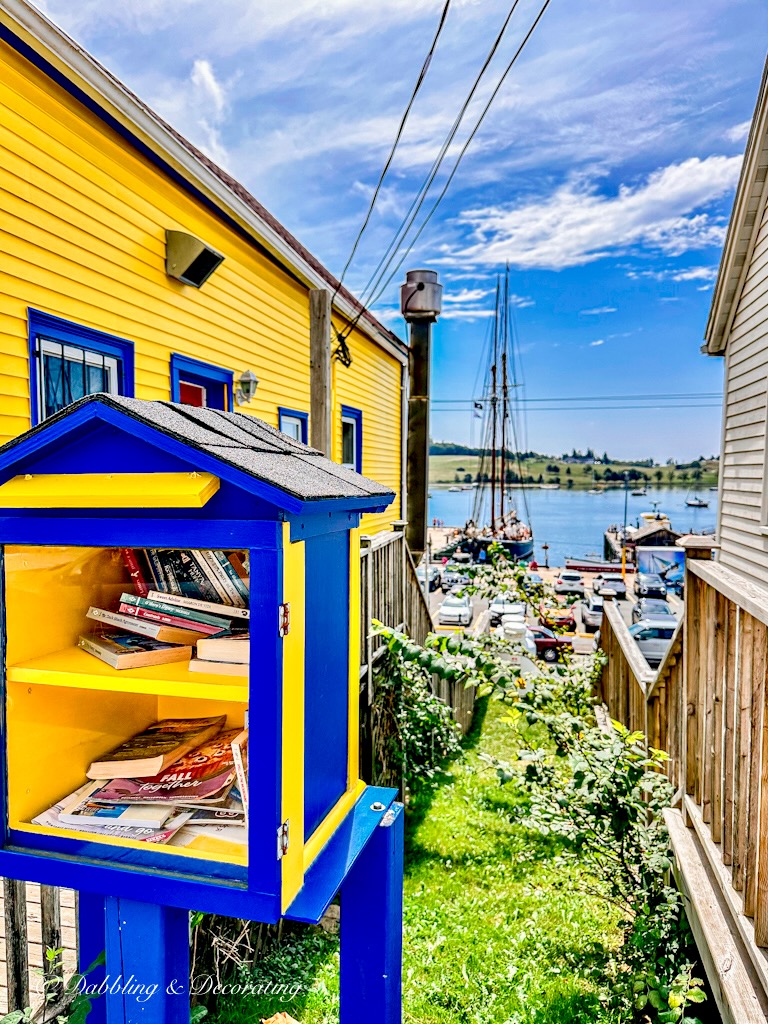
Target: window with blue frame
pixel 293 423
pixel 352 438
pixel 200 384
pixel 68 361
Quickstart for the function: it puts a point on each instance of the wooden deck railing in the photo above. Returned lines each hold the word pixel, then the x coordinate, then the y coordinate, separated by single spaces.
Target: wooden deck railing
pixel 706 706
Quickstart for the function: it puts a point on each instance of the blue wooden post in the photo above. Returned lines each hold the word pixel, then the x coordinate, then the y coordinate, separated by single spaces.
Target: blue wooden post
pixel 147 974
pixel 372 928
pixel 91 943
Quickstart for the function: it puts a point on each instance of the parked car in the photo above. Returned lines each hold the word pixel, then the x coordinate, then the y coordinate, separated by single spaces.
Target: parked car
pixel 432 573
pixel 455 611
pixel 557 616
pixel 549 647
pixel 505 604
pixel 454 576
pixel 610 581
pixel 650 584
pixel 592 612
pixel 653 637
pixel 651 608
pixel 570 583
pixel 531 582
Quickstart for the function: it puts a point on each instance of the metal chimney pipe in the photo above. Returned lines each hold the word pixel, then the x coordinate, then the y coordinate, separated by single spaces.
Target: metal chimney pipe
pixel 420 303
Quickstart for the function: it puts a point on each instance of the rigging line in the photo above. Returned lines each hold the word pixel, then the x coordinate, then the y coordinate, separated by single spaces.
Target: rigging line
pixel 418 200
pixel 592 398
pixel 390 158
pixel 604 408
pixel 462 153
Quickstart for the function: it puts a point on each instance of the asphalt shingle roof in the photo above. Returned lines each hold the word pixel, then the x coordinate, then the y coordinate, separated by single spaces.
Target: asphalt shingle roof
pixel 243 442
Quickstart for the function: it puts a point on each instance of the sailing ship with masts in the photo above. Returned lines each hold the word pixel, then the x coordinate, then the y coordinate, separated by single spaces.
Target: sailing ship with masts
pixel 495 517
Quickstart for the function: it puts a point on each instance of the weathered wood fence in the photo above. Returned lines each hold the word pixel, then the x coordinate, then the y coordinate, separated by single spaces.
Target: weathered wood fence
pixel 706 706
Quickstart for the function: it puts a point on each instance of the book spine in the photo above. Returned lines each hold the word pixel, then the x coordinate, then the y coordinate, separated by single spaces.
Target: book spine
pixel 221 580
pixel 179 611
pixel 156 568
pixel 135 571
pixel 187 585
pixel 115 619
pixel 215 608
pixel 98 652
pixel 196 573
pixel 222 595
pixel 240 772
pixel 234 579
pixel 170 576
pixel 168 620
pixel 238 565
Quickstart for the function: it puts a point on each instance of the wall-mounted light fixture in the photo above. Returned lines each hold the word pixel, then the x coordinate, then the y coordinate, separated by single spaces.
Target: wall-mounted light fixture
pixel 246 383
pixel 188 259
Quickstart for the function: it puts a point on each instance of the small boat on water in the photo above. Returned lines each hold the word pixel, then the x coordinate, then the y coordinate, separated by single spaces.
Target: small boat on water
pixel 595 490
pixel 696 502
pixel 639 494
pixel 453 490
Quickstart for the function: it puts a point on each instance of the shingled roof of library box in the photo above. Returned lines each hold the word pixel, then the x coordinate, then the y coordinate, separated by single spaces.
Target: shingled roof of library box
pixel 266 462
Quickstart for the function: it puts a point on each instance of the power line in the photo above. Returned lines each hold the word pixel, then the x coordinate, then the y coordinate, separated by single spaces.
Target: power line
pixel 460 157
pixel 690 395
pixel 607 408
pixel 418 200
pixel 379 183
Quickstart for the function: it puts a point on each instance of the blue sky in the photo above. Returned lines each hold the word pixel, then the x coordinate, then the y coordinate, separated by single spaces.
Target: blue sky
pixel 604 172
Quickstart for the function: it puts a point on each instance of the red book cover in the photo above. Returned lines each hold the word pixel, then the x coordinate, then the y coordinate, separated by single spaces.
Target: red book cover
pixel 203 775
pixel 168 620
pixel 136 572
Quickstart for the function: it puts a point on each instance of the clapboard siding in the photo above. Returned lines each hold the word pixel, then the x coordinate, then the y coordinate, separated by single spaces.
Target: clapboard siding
pixel 743 544
pixel 83 238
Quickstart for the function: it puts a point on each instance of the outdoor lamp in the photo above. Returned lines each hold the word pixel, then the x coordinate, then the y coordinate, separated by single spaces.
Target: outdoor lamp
pixel 247 383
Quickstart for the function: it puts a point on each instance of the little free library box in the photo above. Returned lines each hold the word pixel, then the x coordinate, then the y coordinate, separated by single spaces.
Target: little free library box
pixel 111 511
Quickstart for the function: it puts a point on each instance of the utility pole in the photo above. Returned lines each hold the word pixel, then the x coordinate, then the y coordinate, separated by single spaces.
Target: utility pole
pixel 624 532
pixel 420 303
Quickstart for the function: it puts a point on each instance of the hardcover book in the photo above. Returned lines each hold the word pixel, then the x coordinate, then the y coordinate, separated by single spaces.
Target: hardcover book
pixel 159 746
pixel 236 649
pixel 127 650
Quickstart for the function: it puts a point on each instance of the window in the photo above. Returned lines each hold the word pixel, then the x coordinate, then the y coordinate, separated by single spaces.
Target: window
pixel 200 384
pixel 68 361
pixel 294 424
pixel 352 438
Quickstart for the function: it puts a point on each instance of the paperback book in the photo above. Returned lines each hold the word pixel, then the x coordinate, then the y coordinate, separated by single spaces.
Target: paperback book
pixel 156 630
pixel 151 751
pixel 129 650
pixel 204 775
pixel 52 819
pixel 195 604
pixel 236 649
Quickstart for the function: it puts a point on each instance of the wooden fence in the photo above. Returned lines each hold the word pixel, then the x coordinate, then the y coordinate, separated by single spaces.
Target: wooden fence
pixel 706 707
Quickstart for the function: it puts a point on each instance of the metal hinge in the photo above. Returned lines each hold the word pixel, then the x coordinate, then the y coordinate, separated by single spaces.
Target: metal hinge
pixel 282 839
pixel 284 624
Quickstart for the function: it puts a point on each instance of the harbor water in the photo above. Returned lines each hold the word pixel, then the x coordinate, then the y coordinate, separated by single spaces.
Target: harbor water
pixel 573 522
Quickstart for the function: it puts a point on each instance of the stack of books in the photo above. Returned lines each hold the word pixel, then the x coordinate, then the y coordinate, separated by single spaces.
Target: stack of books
pixel 195 596
pixel 179 779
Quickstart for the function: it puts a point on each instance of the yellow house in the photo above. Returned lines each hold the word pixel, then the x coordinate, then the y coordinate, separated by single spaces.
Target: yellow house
pixel 112 222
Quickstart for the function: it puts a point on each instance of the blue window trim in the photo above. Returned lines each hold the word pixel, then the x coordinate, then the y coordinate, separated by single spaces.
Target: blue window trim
pixel 57 329
pixel 356 414
pixel 182 367
pixel 303 416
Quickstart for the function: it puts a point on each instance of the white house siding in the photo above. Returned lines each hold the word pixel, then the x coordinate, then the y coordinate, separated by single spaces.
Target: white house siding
pixel 743 542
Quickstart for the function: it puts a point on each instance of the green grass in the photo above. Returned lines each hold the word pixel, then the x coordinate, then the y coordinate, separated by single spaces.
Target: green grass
pixel 444 469
pixel 497 927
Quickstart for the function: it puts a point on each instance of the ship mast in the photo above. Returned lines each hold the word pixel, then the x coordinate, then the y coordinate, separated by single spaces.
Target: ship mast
pixel 494 403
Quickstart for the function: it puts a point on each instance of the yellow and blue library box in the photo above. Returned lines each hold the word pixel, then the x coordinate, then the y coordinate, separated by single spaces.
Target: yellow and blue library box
pixel 115 507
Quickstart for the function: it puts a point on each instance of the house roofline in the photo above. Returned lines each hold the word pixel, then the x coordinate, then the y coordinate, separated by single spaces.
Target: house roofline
pixel 92 84
pixel 743 227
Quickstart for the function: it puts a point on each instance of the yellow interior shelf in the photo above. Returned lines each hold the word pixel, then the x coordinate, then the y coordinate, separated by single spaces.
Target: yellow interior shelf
pixel 75 668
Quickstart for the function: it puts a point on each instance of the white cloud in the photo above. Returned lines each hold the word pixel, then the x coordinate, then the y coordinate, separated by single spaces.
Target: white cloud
pixel 598 311
pixel 738 132
pixel 578 224
pixel 207 86
pixel 458 313
pixel 594 344
pixel 467 295
pixel 696 274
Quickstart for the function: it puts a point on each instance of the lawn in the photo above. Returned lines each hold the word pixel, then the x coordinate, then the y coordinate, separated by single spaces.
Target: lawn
pixel 498 929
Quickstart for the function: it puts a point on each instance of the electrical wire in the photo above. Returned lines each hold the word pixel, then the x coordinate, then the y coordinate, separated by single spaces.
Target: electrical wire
pixel 380 182
pixel 418 200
